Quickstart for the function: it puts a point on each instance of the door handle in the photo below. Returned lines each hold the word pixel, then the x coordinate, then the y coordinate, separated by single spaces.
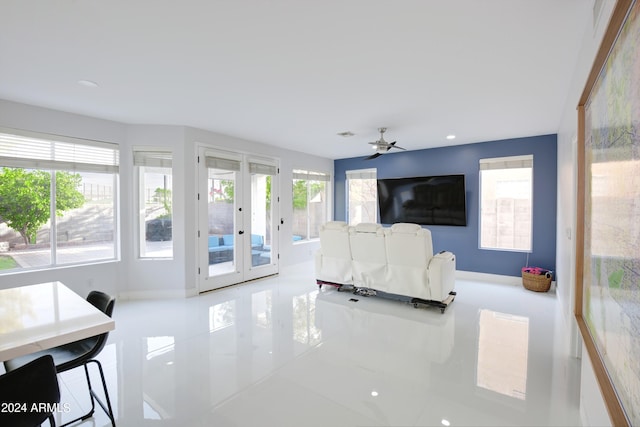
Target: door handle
pixel 240 231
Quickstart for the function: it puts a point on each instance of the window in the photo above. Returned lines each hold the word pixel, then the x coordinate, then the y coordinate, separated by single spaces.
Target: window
pixel 58 200
pixel 506 188
pixel 310 203
pixel 154 203
pixel 362 196
pixel 262 176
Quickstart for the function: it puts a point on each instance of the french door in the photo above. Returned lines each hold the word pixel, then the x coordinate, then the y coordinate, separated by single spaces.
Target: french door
pixel 238 230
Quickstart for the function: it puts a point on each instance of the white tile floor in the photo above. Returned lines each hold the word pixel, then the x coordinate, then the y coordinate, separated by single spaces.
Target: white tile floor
pixel 278 352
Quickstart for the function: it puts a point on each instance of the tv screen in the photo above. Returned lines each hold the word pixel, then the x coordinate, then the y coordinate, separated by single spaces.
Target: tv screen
pixel 426 200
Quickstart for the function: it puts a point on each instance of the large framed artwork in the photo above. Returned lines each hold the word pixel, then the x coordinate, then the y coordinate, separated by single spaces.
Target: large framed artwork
pixel 608 238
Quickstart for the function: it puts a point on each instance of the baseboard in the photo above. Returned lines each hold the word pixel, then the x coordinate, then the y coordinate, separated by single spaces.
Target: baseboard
pixel 494 278
pixel 487 277
pixel 158 294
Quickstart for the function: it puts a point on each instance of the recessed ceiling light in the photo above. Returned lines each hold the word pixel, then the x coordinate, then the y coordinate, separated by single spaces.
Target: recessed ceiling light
pixel 445 422
pixel 374 393
pixel 451 137
pixel 87 83
pixel 346 133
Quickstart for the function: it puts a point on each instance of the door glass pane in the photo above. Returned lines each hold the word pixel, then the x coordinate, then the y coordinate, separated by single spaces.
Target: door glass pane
pixel 261 219
pixel 221 221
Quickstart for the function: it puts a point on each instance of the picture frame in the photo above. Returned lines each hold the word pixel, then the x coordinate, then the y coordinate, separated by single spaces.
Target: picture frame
pixel 607 298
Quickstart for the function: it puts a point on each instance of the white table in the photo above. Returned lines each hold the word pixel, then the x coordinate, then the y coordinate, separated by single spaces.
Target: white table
pixel 46 315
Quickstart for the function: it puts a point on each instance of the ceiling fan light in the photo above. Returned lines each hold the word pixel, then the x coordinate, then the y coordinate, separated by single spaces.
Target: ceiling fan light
pixel 382 150
pixel 381 146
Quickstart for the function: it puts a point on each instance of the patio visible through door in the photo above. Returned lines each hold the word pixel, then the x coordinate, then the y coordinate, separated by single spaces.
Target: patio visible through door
pixel 237 226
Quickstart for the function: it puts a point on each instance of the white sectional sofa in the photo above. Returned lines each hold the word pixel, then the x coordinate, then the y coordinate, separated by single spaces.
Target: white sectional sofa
pixel 398 260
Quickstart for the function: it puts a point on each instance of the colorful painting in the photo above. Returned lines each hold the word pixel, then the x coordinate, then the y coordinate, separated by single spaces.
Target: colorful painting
pixel 611 300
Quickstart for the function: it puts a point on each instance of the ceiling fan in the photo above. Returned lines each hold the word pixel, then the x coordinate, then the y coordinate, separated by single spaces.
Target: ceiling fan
pixel 381 146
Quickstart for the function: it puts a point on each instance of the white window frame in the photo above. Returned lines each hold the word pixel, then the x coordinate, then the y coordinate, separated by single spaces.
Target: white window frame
pixel 505 163
pixel 39 151
pixel 149 157
pixel 308 175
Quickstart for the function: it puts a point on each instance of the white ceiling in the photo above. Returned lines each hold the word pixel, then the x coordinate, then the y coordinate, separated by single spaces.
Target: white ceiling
pixel 294 73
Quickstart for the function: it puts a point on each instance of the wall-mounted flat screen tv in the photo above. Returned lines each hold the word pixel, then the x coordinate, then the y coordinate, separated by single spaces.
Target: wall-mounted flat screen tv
pixel 425 200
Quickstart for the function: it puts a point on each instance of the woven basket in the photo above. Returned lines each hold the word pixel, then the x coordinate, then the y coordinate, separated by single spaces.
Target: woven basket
pixel 536 282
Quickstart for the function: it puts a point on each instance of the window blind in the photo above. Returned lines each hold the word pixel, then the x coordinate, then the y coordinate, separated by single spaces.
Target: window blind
pixel 362 174
pixel 220 163
pixel 32 150
pixel 310 176
pixel 259 168
pixel 161 159
pixel 513 162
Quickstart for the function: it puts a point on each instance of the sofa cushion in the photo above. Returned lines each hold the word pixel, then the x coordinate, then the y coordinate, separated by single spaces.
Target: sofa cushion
pixel 409 246
pixel 333 260
pixel 214 241
pixel 369 256
pixel 368 227
pixel 334 240
pixel 335 225
pixel 404 227
pixel 257 241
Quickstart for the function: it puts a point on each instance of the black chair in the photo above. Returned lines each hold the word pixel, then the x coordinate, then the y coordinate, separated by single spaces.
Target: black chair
pixel 79 353
pixel 30 394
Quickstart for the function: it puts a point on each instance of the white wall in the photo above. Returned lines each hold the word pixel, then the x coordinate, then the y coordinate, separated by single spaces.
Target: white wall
pixel 152 277
pixel 566 220
pixel 130 276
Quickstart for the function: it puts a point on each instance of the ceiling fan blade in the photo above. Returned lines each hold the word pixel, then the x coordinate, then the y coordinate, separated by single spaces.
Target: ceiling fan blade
pixel 399 148
pixel 373 156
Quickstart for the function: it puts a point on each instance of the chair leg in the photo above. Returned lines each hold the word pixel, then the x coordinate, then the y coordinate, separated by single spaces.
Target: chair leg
pixel 93 402
pixel 94 397
pixel 107 409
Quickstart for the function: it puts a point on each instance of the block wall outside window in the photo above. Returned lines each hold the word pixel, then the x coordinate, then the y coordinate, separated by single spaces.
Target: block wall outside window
pixel 310 203
pixel 362 196
pixel 506 205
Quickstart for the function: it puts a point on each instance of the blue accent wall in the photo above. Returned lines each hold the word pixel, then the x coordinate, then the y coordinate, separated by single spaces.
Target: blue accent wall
pixel 464 159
